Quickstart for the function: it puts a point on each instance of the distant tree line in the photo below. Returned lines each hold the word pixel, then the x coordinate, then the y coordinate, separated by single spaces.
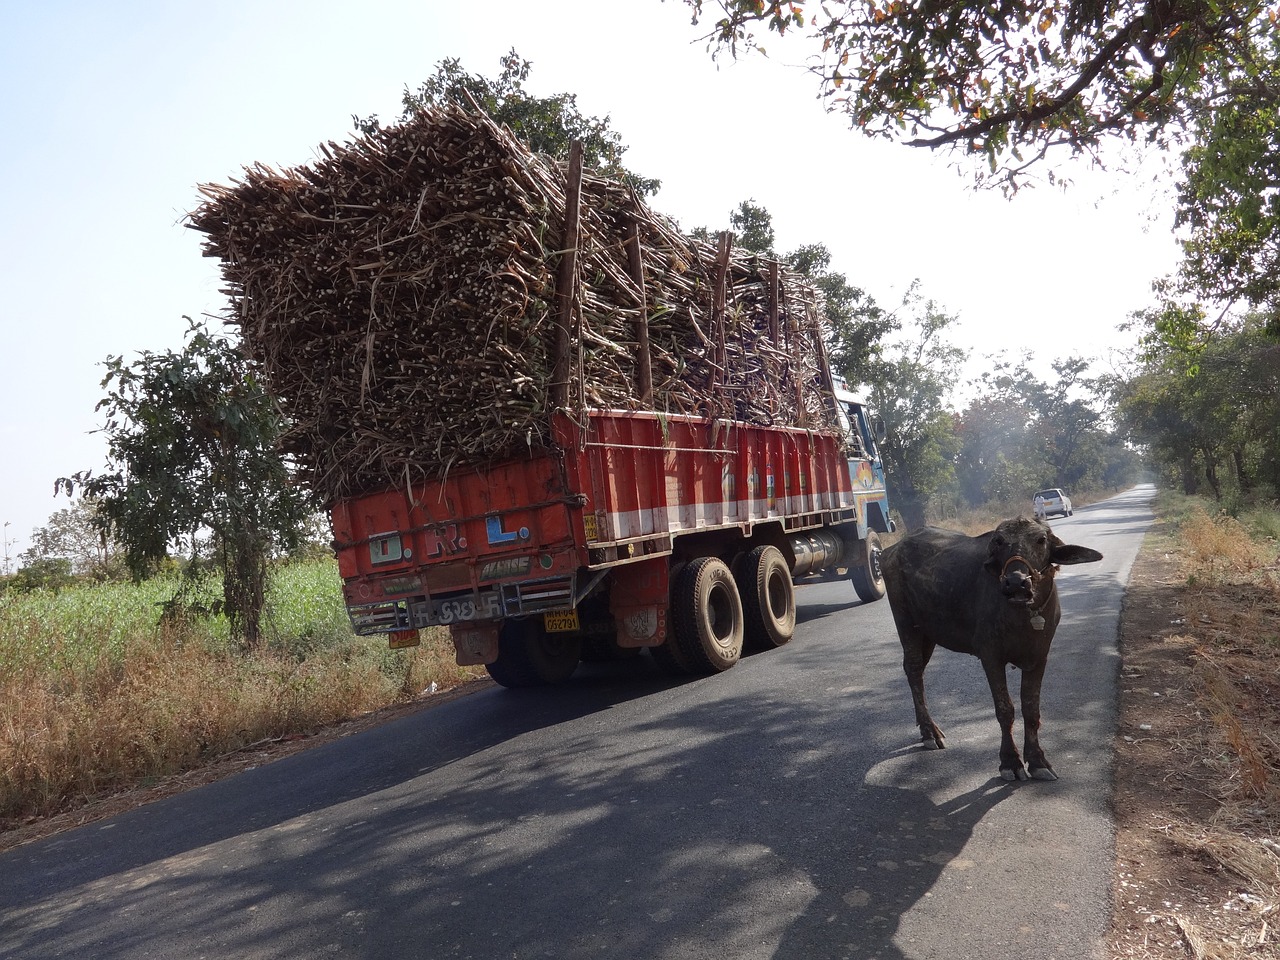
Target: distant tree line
pixel 1203 400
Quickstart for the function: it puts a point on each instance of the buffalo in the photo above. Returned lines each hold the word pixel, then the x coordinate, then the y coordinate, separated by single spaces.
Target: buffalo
pixel 992 596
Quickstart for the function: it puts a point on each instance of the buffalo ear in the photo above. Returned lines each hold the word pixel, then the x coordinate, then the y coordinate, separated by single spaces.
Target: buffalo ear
pixel 1070 553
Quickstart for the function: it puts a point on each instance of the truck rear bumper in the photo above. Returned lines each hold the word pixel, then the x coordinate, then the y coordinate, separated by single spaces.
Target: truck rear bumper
pixel 497 602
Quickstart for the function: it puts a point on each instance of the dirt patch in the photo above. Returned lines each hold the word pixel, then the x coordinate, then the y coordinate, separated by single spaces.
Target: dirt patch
pixel 1196 763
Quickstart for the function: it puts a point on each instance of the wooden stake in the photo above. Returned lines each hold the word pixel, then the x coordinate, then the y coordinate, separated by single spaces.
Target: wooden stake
pixel 565 282
pixel 774 332
pixel 644 360
pixel 824 364
pixel 718 301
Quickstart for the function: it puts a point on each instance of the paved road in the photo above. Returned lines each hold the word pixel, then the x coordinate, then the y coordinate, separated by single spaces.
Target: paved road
pixel 783 810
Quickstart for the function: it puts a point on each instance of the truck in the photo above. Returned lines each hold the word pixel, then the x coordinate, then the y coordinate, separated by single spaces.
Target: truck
pixel 678 534
pixel 540 416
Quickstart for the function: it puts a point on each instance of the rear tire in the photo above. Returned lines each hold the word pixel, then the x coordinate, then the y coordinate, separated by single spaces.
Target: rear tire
pixel 604 648
pixel 669 659
pixel 768 598
pixel 528 656
pixel 706 613
pixel 867 577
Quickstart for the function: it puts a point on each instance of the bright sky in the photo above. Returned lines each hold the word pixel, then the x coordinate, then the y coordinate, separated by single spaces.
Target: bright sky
pixel 113 113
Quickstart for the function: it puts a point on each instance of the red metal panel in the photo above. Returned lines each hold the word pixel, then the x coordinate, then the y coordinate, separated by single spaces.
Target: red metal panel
pixel 620 476
pixel 638 602
pixel 511 520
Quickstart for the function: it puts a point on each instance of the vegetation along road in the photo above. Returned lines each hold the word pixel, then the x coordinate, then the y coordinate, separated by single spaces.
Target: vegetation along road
pixel 782 809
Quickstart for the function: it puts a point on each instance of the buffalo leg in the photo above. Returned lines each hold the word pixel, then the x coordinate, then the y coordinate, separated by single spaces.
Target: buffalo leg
pixel 1037 762
pixel 1010 763
pixel 915 657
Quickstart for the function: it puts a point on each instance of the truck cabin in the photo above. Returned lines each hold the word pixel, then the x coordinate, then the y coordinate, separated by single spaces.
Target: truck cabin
pixel 858 427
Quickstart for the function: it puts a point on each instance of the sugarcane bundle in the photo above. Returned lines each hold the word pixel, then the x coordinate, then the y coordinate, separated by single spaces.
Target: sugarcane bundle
pixel 399 296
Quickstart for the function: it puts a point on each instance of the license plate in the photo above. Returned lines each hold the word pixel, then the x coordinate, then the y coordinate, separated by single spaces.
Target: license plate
pixel 403 638
pixel 561 621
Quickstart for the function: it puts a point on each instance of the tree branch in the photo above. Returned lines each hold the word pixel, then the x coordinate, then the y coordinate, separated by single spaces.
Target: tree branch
pixel 1092 70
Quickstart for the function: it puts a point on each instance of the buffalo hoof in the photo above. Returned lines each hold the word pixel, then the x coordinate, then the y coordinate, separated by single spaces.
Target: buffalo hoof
pixel 1013 773
pixel 1043 773
pixel 931 737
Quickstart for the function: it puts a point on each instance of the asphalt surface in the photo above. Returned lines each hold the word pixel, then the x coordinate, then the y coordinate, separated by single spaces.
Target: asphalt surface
pixel 783 809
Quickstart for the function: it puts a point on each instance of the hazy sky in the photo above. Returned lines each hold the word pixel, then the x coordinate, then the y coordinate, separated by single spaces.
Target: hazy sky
pixel 113 113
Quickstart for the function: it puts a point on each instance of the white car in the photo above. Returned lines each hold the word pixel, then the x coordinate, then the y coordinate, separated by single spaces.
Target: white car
pixel 1052 502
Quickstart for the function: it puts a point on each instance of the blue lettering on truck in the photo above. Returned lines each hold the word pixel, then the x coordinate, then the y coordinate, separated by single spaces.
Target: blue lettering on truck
pixel 498 536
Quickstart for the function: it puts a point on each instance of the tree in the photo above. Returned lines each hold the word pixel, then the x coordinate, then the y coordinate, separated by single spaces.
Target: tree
pixel 76 535
pixel 1000 458
pixel 1066 421
pixel 752 226
pixel 910 385
pixel 546 124
pixel 1022 433
pixel 1015 81
pixel 1228 203
pixel 193 447
pixel 41 573
pixel 1205 399
pixel 1152 399
pixel 857 323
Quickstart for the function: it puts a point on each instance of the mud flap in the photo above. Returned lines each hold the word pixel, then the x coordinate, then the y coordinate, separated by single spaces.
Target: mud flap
pixel 475 643
pixel 639 600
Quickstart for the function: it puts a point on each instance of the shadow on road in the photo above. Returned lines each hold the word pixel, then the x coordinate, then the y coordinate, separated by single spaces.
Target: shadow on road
pixel 746 826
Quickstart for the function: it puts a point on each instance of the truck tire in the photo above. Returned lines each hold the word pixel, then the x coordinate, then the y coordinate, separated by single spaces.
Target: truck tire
pixel 768 598
pixel 604 648
pixel 668 655
pixel 600 632
pixel 706 613
pixel 867 577
pixel 528 656
pixel 670 659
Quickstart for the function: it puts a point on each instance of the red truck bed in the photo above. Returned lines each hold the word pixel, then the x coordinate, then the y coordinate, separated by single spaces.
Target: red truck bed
pixel 533 535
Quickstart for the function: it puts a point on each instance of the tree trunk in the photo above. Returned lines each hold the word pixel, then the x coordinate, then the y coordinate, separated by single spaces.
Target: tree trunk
pixel 1211 474
pixel 1190 482
pixel 244 583
pixel 1242 476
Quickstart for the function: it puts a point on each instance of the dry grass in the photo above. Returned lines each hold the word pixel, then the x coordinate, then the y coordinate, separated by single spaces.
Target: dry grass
pixel 1247 768
pixel 1198 810
pixel 119 701
pixel 1219 547
pixel 174 704
pixel 1233 606
pixel 1253 861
